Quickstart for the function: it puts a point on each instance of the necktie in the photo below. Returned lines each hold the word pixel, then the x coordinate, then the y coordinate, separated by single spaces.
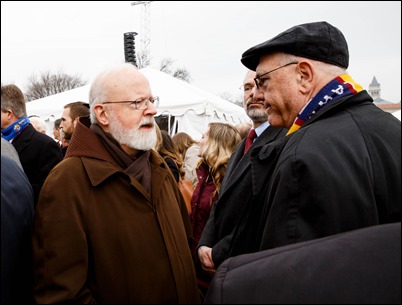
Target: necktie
pixel 250 138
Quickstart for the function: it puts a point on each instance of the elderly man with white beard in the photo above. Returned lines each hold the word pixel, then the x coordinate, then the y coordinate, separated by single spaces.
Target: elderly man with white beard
pixel 120 233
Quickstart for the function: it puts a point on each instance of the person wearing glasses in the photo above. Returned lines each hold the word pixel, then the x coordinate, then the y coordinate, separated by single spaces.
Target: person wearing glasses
pixel 121 232
pixel 339 166
pixel 235 201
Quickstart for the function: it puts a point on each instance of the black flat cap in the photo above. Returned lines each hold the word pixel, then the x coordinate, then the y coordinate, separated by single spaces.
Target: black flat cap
pixel 317 40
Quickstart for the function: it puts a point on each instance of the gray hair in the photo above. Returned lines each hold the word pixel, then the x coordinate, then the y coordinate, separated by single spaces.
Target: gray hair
pixel 38 123
pixel 13 99
pixel 323 67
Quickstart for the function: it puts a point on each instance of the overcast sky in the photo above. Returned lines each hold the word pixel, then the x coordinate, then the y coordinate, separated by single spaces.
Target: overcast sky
pixel 205 37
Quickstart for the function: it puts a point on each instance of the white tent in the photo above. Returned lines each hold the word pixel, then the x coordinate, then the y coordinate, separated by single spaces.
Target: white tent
pixel 186 107
pixel 397 114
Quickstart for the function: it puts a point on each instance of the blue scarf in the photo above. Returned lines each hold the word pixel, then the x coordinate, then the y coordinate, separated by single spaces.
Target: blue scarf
pixel 15 128
pixel 341 86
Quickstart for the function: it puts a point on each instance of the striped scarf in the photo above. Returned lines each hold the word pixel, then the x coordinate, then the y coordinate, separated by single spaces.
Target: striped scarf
pixel 341 86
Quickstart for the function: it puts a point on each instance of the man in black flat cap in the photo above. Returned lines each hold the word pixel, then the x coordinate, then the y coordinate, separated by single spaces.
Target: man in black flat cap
pixel 339 166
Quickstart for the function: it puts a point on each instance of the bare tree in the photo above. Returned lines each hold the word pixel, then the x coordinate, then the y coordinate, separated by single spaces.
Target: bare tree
pixel 166 65
pixel 182 74
pixel 51 83
pixel 143 59
pixel 238 100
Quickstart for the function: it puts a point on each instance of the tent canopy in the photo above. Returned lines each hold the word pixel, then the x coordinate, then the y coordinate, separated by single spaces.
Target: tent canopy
pixel 397 114
pixel 188 108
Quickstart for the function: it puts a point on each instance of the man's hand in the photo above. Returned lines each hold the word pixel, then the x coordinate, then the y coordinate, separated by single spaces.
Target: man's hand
pixel 205 257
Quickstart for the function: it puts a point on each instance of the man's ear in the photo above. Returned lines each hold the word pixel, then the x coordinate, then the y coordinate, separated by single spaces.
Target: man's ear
pixel 76 121
pixel 305 76
pixel 10 115
pixel 101 114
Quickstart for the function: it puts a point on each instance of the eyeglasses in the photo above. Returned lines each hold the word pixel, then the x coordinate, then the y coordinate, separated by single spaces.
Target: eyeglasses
pixel 139 104
pixel 246 87
pixel 259 82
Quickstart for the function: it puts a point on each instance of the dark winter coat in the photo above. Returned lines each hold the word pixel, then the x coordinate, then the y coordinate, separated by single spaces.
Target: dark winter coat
pixel 356 267
pixel 38 154
pixel 201 202
pixel 234 194
pixel 340 171
pixel 100 237
pixel 17 212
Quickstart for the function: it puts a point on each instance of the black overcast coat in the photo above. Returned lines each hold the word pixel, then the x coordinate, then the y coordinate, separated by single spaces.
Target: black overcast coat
pixel 356 267
pixel 38 154
pixel 339 172
pixel 233 198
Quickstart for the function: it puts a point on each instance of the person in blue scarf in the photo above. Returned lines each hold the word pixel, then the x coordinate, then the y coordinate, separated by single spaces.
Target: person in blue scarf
pixel 38 152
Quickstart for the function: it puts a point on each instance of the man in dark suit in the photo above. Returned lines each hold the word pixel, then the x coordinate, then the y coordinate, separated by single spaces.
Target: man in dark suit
pixel 38 152
pixel 357 267
pixel 217 242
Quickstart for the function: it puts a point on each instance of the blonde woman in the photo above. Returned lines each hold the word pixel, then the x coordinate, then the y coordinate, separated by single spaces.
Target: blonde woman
pixel 216 146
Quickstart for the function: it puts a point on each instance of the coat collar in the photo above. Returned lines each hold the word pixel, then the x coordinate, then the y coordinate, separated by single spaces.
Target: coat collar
pixel 98 162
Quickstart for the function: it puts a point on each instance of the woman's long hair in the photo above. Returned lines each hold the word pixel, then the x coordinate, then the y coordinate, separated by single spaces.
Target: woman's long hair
pixel 219 147
pixel 166 148
pixel 182 142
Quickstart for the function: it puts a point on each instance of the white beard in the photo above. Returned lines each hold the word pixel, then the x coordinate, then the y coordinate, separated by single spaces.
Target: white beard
pixel 256 114
pixel 133 138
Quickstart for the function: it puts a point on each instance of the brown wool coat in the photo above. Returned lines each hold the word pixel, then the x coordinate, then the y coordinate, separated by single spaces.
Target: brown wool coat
pixel 99 237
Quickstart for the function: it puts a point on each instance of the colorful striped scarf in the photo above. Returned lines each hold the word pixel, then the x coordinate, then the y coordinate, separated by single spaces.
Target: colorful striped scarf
pixel 341 86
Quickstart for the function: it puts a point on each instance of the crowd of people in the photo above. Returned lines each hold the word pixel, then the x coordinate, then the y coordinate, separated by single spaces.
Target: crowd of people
pixel 96 215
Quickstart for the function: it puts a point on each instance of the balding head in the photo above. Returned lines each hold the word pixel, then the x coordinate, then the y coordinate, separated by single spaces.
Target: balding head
pixel 124 81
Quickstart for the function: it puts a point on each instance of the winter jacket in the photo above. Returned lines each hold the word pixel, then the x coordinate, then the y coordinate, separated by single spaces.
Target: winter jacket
pixel 201 202
pixel 100 237
pixel 340 171
pixel 233 198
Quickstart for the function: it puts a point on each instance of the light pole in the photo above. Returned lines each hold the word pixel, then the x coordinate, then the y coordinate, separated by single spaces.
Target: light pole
pixel 145 25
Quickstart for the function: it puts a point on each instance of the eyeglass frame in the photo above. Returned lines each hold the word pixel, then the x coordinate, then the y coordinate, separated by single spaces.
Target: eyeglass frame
pixel 243 87
pixel 153 100
pixel 258 78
